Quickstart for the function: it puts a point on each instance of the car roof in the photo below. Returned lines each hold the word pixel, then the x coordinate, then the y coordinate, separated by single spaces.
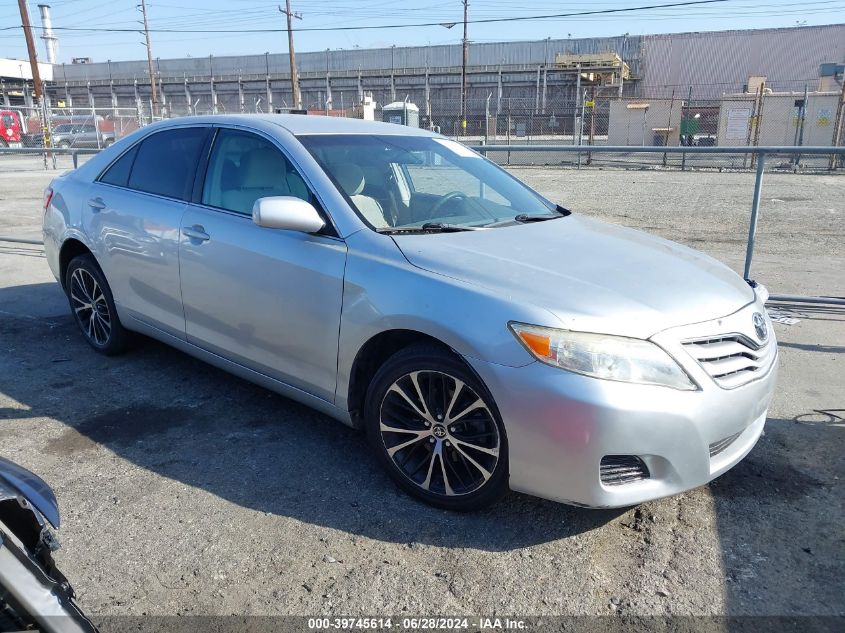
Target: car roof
pixel 299 124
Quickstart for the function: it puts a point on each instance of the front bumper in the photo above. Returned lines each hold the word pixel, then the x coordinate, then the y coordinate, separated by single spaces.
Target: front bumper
pixel 34 594
pixel 560 425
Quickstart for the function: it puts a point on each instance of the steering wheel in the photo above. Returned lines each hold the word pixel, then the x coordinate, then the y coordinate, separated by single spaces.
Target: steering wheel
pixel 452 195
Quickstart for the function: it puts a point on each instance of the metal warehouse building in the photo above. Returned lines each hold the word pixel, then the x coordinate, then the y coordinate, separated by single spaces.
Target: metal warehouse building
pixel 531 75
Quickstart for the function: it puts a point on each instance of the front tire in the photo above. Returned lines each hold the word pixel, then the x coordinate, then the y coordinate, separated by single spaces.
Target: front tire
pixel 92 306
pixel 435 428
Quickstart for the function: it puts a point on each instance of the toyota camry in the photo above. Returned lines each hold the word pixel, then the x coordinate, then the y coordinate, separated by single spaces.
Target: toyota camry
pixel 482 336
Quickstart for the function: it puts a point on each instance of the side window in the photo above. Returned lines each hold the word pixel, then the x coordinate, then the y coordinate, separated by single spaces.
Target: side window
pixel 245 167
pixel 166 162
pixel 118 173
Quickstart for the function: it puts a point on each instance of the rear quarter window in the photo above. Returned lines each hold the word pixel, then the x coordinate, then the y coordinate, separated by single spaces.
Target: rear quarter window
pixel 166 162
pixel 118 173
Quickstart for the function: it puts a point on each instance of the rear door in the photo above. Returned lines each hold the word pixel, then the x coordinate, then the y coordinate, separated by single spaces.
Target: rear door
pixel 133 216
pixel 268 299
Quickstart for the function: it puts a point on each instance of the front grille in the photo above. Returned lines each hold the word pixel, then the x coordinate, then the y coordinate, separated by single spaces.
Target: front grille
pixel 731 360
pixel 622 469
pixel 721 445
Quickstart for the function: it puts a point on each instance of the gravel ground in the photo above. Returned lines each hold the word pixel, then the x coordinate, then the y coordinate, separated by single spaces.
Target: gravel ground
pixel 187 491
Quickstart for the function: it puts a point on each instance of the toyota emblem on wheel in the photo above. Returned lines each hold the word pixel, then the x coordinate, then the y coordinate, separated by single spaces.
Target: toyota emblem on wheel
pixel 760 326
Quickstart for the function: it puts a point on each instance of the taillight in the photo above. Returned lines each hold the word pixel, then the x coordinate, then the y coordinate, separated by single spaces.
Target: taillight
pixel 48 197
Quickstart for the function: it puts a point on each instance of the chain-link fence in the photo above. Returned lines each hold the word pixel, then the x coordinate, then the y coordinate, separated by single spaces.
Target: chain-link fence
pixel 760 118
pixel 77 128
pixel 742 120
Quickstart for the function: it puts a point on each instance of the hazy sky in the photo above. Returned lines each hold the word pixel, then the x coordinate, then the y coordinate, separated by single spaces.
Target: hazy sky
pixel 257 14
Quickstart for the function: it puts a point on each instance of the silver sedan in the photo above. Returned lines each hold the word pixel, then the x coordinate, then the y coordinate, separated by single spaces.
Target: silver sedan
pixel 481 335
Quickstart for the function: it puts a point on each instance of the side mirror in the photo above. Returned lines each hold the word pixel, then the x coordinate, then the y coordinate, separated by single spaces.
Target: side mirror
pixel 287 212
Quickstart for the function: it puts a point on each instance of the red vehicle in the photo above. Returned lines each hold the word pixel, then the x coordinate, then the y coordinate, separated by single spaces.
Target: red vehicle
pixel 11 128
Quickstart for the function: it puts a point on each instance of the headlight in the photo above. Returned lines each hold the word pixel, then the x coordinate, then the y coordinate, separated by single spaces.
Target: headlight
pixel 603 356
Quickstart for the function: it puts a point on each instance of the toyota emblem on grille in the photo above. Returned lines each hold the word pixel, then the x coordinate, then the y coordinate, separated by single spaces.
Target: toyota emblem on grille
pixel 760 326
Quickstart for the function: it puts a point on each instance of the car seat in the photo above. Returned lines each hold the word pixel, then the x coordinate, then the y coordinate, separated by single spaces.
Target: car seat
pixel 350 177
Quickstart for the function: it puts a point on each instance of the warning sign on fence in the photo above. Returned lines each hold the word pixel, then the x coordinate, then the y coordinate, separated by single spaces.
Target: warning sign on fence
pixel 737 128
pixel 824 116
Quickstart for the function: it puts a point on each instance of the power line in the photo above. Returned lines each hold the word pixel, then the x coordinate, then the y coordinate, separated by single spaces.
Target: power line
pixel 402 26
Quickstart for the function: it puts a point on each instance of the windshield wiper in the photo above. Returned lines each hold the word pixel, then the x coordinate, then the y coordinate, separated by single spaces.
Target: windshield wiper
pixel 524 218
pixel 447 228
pixel 430 227
pixel 560 212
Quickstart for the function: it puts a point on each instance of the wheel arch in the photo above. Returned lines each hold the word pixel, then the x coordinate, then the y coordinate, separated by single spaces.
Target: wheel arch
pixel 375 352
pixel 71 248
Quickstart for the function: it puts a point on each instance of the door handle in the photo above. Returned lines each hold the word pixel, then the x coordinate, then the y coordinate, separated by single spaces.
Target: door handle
pixel 195 232
pixel 97 204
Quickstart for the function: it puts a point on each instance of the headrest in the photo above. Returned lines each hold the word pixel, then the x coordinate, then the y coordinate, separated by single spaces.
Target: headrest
pixel 350 178
pixel 263 168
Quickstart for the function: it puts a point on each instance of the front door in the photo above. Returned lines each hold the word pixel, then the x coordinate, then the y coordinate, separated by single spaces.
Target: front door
pixel 268 299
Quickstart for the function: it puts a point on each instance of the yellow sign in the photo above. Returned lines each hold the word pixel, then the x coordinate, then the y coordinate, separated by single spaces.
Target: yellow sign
pixel 589 104
pixel 824 117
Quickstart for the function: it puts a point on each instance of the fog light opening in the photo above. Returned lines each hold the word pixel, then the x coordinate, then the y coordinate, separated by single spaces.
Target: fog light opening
pixel 616 470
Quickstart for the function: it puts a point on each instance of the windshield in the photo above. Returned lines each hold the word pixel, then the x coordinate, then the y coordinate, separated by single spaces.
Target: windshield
pixel 416 182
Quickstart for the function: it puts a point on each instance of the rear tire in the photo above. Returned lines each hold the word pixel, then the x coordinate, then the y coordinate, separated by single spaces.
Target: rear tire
pixel 435 428
pixel 92 306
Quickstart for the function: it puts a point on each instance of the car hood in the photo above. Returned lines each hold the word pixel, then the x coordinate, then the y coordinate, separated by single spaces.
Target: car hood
pixel 593 276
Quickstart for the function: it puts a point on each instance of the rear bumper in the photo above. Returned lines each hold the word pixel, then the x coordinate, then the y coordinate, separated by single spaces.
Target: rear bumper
pixel 560 425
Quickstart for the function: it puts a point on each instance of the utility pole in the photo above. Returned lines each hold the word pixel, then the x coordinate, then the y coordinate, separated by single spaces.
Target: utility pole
pixel 40 101
pixel 464 72
pixel 294 82
pixel 837 126
pixel 153 90
pixel 30 48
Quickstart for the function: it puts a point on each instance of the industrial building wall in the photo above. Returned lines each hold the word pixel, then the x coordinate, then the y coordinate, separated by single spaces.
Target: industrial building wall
pixel 712 63
pixel 481 54
pixel 717 63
